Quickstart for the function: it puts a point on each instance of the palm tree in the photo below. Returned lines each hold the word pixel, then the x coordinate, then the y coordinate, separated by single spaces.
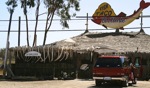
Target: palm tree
pixel 37 16
pixel 11 7
pixel 24 4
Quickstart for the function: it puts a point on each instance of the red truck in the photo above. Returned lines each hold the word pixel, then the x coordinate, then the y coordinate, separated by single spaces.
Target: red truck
pixel 114 69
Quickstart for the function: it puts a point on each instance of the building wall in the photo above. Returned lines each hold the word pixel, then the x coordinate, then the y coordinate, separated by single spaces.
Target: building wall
pixel 72 64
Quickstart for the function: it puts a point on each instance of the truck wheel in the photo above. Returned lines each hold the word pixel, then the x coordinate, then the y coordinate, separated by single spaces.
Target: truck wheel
pixel 125 83
pixel 98 82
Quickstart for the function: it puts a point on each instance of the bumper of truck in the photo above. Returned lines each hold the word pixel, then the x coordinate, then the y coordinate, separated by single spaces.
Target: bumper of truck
pixel 110 78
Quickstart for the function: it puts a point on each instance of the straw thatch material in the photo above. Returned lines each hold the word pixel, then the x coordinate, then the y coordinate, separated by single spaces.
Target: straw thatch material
pixel 109 42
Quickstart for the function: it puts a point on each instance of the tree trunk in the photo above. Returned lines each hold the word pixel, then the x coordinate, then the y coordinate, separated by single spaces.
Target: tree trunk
pixel 45 36
pixel 46 29
pixel 37 17
pixel 27 30
pixel 7 45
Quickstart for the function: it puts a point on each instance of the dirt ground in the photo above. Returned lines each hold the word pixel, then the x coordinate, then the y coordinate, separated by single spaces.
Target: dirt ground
pixel 77 83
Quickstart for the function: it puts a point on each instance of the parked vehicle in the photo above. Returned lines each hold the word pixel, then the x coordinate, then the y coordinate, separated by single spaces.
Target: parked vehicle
pixel 115 69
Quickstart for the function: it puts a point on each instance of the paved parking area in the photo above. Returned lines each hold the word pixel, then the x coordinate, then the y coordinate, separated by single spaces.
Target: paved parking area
pixel 66 84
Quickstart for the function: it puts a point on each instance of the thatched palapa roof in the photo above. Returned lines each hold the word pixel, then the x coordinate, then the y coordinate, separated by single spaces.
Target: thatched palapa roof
pixel 108 42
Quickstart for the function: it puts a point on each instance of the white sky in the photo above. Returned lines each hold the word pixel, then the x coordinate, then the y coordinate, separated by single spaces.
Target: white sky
pixel 87 6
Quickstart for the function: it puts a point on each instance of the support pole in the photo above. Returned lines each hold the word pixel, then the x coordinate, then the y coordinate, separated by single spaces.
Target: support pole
pixel 19 26
pixel 86 24
pixel 141 30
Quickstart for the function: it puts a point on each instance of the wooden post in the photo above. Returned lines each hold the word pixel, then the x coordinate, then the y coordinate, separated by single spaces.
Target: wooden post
pixel 19 24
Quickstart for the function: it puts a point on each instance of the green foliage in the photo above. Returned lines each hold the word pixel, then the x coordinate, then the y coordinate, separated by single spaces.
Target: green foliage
pixel 63 9
pixel 11 5
pixel 2 52
pixel 27 3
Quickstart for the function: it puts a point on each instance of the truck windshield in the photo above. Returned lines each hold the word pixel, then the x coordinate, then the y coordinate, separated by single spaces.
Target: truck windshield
pixel 108 62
